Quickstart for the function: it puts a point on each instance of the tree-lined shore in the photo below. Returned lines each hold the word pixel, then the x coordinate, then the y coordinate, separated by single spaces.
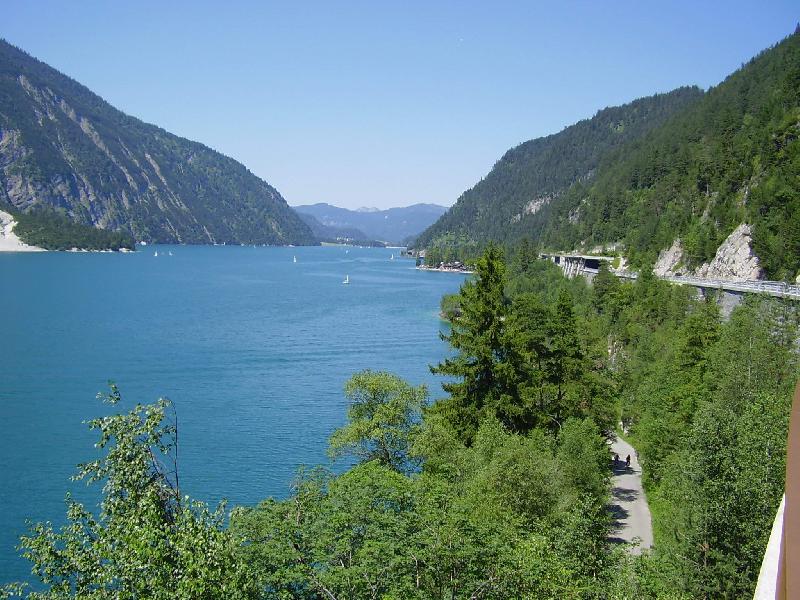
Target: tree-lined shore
pixel 499 489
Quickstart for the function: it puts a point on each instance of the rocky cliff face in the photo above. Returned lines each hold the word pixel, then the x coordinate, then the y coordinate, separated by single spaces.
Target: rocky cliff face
pixel 63 147
pixel 669 260
pixel 734 260
pixel 9 241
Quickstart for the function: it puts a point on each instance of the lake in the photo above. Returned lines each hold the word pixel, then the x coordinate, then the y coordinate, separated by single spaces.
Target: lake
pixel 252 348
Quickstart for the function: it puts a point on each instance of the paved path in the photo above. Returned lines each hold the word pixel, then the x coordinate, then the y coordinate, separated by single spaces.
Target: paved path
pixel 628 502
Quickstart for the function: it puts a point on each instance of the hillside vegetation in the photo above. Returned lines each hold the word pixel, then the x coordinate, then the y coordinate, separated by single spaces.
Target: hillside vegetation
pixel 62 146
pixel 731 158
pixel 514 199
pixel 693 170
pixel 53 231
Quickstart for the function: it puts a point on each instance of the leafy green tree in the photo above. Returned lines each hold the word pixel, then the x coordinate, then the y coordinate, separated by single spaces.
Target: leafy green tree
pixel 756 351
pixel 383 414
pixel 722 491
pixel 512 476
pixel 342 537
pixel 148 541
pixel 525 256
pixel 583 458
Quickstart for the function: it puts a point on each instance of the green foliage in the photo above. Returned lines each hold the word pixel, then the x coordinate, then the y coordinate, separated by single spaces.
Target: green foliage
pixel 148 540
pixel 450 307
pixel 583 458
pixel 53 231
pixel 383 415
pixel 449 249
pixel 709 403
pixel 516 197
pixel 687 164
pixel 522 361
pixel 495 529
pixel 477 338
pixel 512 475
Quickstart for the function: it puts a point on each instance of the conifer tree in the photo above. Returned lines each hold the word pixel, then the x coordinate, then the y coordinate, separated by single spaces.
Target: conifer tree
pixel 477 336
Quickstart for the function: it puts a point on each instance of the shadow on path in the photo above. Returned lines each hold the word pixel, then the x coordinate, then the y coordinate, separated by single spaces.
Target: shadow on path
pixel 625 494
pixel 628 507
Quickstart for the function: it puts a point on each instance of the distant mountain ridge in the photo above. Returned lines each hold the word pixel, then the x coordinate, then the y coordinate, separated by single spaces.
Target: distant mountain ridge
pixel 62 147
pixel 394 225
pixel 330 233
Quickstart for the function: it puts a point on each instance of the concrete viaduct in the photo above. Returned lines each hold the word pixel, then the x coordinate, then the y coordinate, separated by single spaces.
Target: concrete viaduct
pixel 730 292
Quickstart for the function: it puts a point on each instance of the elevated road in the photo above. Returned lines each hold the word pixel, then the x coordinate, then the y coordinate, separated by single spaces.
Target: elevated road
pixel 589 265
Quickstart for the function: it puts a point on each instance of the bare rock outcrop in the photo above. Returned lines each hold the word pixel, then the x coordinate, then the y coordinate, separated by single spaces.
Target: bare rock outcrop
pixel 9 242
pixel 734 260
pixel 669 260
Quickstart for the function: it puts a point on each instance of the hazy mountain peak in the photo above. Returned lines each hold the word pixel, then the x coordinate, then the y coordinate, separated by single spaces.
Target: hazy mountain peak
pixel 393 225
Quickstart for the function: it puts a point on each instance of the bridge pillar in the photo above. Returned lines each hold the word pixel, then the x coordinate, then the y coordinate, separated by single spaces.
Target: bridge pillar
pixel 727 300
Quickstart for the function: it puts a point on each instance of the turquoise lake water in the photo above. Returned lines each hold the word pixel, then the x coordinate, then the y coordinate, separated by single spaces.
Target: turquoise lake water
pixel 252 348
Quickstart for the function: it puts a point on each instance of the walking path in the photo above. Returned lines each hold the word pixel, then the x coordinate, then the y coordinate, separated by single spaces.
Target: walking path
pixel 629 507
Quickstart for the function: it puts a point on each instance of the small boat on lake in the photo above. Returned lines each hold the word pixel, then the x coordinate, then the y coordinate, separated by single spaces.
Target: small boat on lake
pixel 294 259
pixel 346 279
pixel 155 253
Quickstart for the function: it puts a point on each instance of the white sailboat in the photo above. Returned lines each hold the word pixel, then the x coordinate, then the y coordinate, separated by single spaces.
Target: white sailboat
pixel 170 252
pixel 294 259
pixel 392 258
pixel 346 279
pixel 155 253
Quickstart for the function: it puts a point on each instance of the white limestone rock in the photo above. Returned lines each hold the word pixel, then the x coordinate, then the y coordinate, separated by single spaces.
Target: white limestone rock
pixel 9 242
pixel 669 260
pixel 734 260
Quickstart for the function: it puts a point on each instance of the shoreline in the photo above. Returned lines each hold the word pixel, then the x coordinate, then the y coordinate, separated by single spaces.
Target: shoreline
pixel 9 241
pixel 445 270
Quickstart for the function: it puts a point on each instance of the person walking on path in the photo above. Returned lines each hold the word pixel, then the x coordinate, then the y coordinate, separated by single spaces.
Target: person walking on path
pixel 629 508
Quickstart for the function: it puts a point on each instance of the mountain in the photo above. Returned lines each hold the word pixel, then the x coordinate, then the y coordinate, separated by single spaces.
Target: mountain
pixel 680 173
pixel 391 225
pixel 729 163
pixel 529 178
pixel 329 232
pixel 63 147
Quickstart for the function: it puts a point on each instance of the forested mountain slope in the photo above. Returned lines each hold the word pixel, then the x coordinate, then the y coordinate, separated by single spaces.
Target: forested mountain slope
pixel 731 158
pixel 64 147
pixel 514 199
pixel 694 172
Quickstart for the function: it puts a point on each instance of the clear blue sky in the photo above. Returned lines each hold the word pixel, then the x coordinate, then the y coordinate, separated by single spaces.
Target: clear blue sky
pixel 378 103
